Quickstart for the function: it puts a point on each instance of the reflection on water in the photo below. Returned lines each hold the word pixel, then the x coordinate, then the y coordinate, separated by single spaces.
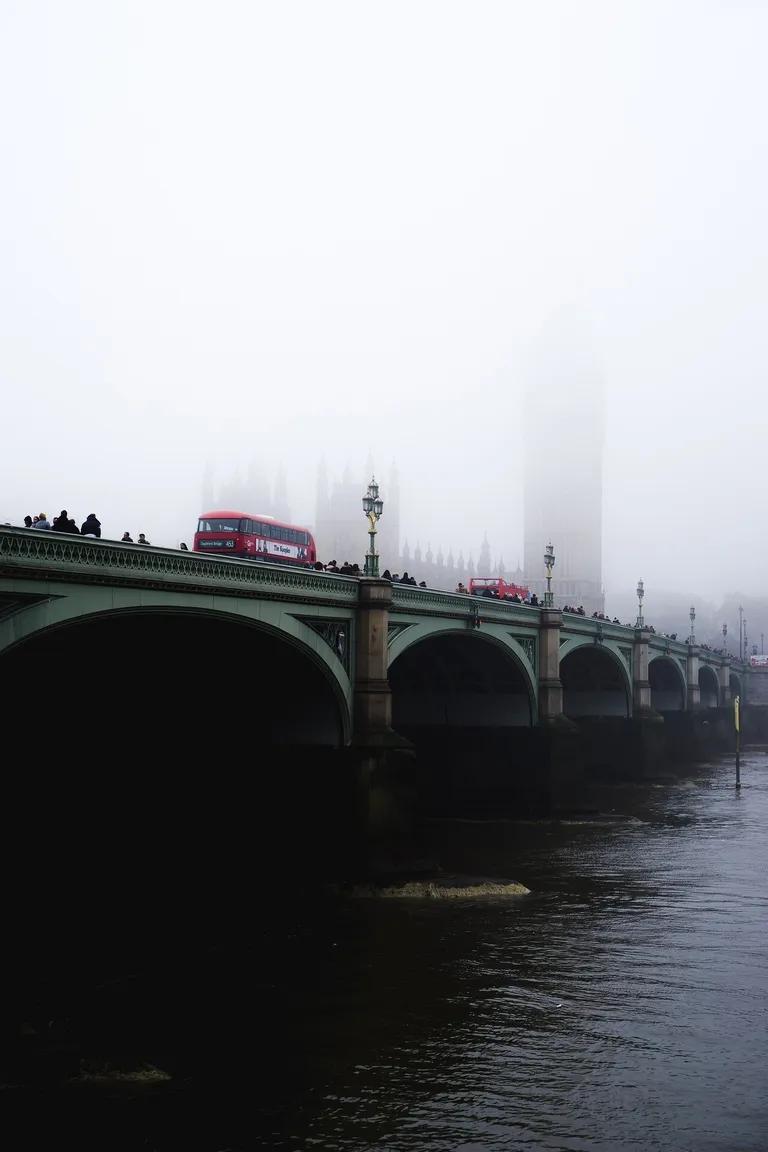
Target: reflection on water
pixel 622 1005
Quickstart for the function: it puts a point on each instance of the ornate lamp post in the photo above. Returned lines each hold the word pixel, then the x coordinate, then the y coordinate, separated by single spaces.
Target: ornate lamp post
pixel 373 506
pixel 725 642
pixel 549 563
pixel 692 617
pixel 640 593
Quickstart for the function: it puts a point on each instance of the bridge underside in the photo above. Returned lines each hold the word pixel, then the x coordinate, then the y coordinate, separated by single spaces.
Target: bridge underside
pixel 467 706
pixel 182 684
pixel 667 687
pixel 169 767
pixel 593 684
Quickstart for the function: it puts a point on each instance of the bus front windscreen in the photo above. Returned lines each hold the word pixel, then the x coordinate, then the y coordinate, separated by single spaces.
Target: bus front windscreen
pixel 218 525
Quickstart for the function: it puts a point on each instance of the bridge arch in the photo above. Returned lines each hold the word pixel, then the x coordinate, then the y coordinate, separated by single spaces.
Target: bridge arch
pixel 459 678
pixel 709 689
pixel 241 682
pixel 466 700
pixel 668 685
pixel 595 681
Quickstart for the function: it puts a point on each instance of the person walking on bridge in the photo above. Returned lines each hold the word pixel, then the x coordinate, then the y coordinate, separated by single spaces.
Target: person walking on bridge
pixel 91 526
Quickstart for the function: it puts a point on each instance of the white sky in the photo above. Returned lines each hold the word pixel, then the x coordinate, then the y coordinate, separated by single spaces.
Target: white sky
pixel 297 230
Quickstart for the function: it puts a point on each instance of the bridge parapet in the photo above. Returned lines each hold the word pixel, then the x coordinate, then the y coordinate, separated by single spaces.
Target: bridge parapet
pixel 57 556
pixel 429 601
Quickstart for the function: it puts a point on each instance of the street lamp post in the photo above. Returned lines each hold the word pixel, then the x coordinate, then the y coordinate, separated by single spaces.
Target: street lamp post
pixel 692 617
pixel 725 642
pixel 640 593
pixel 373 506
pixel 741 632
pixel 549 563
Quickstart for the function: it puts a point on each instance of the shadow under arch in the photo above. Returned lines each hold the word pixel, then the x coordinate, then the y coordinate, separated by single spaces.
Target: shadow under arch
pixel 148 666
pixel 668 687
pixel 709 689
pixel 460 679
pixel 734 682
pixel 152 804
pixel 595 683
pixel 466 703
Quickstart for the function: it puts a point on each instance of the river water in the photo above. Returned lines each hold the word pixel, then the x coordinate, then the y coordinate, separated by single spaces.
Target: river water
pixel 623 1004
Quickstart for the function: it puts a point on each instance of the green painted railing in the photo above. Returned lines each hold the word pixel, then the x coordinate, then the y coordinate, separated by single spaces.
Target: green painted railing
pixel 48 554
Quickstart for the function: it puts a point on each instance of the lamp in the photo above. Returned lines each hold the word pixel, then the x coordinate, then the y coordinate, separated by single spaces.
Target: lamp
pixel 549 563
pixel 373 506
pixel 640 593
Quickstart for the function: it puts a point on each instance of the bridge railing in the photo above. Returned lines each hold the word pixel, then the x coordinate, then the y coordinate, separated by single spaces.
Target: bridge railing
pixel 406 598
pixel 58 555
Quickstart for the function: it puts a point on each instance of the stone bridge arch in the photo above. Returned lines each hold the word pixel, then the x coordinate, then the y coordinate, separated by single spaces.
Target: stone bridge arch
pixel 278 680
pixel 466 699
pixel 709 688
pixel 668 684
pixel 493 653
pixel 596 680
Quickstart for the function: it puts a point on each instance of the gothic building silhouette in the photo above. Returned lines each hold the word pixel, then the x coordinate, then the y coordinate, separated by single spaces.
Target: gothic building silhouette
pixel 563 505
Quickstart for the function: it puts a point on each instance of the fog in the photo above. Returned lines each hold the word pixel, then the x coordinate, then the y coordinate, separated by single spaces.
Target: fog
pixel 273 235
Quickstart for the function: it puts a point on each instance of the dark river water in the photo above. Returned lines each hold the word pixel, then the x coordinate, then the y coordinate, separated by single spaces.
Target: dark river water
pixel 623 1004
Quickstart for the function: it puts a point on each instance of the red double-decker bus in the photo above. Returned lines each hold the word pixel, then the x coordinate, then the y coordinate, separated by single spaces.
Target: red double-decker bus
pixel 252 537
pixel 503 589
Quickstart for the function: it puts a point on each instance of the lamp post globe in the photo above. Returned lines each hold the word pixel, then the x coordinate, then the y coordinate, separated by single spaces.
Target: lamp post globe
pixel 549 563
pixel 373 506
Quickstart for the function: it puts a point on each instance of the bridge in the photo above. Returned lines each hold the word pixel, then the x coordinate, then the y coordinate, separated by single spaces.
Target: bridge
pixel 235 654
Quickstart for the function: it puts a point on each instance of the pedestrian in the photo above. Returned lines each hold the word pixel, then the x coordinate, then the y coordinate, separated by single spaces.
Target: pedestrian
pixel 28 522
pixel 91 526
pixel 142 539
pixel 43 522
pixel 127 538
pixel 183 547
pixel 62 523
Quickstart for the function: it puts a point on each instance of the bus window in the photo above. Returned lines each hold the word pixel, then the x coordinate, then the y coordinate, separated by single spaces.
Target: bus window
pixel 218 525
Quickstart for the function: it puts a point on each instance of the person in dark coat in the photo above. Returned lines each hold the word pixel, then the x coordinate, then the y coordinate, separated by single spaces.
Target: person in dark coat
pixel 91 526
pixel 62 523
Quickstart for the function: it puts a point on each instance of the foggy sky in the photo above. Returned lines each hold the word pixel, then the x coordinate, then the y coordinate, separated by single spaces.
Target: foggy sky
pixel 305 231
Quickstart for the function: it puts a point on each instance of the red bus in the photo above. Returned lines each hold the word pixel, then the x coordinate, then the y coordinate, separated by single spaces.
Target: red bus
pixel 481 585
pixel 250 537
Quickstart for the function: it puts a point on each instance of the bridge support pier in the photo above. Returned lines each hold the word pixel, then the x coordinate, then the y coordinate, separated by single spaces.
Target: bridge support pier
pixel 724 682
pixel 550 685
pixel 692 676
pixel 384 759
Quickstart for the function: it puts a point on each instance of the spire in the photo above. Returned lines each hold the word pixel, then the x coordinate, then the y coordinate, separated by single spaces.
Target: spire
pixel 321 500
pixel 280 502
pixel 484 563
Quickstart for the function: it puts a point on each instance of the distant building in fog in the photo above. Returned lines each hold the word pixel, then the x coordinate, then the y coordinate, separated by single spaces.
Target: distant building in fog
pixel 563 501
pixel 341 529
pixel 250 493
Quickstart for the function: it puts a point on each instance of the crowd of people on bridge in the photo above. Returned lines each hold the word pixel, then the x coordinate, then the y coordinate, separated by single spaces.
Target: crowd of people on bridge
pixel 91 526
